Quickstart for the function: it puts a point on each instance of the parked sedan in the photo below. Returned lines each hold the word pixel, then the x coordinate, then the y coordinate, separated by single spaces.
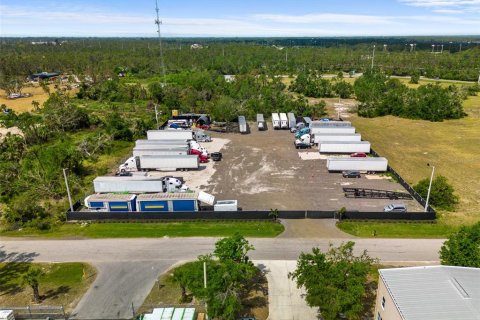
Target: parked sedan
pixel 351 174
pixel 395 208
pixel 358 155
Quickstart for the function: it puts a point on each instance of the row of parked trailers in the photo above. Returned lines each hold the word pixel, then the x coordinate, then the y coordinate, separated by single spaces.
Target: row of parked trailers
pixel 283 120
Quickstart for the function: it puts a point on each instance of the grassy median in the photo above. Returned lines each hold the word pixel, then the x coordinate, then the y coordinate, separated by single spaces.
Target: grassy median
pixel 155 230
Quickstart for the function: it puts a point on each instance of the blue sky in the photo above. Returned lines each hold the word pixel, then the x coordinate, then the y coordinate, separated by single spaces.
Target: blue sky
pixel 240 18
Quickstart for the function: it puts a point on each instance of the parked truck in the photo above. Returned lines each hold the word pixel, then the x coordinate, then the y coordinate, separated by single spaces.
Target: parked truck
pixel 283 121
pixel 368 164
pixel 292 121
pixel 170 135
pixel 301 132
pixel 332 130
pixel 275 121
pixel 304 141
pixel 163 163
pixel 201 136
pixel 343 146
pixel 337 137
pixel 242 124
pixel 260 122
pixel 136 184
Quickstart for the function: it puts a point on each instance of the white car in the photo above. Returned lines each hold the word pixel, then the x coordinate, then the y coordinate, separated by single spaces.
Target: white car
pixel 395 208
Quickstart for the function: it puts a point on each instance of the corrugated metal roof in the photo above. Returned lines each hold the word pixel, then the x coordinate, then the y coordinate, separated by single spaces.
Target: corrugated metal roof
pixel 435 292
pixel 168 196
pixel 110 197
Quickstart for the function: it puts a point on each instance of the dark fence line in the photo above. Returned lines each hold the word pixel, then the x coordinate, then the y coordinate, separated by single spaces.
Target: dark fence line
pixel 405 184
pixel 244 215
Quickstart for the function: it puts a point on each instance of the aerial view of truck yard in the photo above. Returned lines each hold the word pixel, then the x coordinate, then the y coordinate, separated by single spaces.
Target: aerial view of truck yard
pixel 269 160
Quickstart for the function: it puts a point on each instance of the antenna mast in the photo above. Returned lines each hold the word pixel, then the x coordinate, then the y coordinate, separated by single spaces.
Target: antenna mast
pixel 158 22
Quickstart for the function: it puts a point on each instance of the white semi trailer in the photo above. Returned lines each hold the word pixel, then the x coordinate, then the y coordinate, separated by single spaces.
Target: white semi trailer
pixel 163 163
pixel 170 143
pixel 260 122
pixel 275 121
pixel 357 164
pixel 139 151
pixel 170 135
pixel 337 137
pixel 332 130
pixel 242 124
pixel 327 124
pixel 136 184
pixel 292 121
pixel 343 146
pixel 283 121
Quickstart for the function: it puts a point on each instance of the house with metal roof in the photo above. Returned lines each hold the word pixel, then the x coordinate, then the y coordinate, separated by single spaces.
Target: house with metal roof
pixel 428 293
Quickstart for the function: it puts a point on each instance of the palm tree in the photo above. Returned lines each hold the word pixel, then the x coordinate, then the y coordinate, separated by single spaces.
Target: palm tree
pixel 274 214
pixel 32 279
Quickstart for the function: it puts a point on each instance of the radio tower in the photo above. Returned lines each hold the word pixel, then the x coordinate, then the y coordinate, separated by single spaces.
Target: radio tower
pixel 158 22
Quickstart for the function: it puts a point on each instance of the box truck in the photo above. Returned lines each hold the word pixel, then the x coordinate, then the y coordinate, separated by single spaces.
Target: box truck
pixel 165 163
pixel 337 137
pixel 170 135
pixel 332 130
pixel 242 124
pixel 343 146
pixel 136 184
pixel 292 121
pixel 275 121
pixel 357 164
pixel 260 122
pixel 283 121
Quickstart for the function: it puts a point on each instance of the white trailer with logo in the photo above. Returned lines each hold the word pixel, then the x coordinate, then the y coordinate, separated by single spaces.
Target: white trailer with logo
pixel 170 135
pixel 343 146
pixel 275 121
pixel 368 164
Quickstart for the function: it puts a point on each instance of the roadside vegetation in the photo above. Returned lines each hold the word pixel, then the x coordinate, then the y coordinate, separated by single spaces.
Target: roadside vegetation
pixel 397 229
pixel 47 284
pixel 462 248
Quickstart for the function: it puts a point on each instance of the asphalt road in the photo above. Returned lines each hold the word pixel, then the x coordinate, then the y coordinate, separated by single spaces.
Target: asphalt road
pixel 128 268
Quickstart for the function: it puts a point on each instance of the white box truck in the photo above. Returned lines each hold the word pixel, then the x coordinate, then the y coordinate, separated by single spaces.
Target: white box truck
pixel 283 121
pixel 242 124
pixel 332 130
pixel 153 151
pixel 136 184
pixel 163 163
pixel 337 137
pixel 324 124
pixel 170 135
pixel 275 121
pixel 357 164
pixel 260 122
pixel 343 146
pixel 292 121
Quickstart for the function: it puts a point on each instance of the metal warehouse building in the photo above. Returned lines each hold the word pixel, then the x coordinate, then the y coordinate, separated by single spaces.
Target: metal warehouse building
pixel 168 202
pixel 428 293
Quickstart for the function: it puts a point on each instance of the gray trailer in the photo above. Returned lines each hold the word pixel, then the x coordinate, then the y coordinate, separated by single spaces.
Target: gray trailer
pixel 170 135
pixel 292 121
pixel 260 122
pixel 242 124
pixel 153 151
pixel 163 163
pixel 135 184
pixel 343 146
pixel 368 164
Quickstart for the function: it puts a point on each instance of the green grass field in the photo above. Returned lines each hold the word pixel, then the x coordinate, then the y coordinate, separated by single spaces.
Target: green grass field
pixel 63 284
pixel 397 229
pixel 154 230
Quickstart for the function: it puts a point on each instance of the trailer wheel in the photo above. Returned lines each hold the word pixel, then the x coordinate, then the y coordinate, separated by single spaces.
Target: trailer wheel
pixel 122 170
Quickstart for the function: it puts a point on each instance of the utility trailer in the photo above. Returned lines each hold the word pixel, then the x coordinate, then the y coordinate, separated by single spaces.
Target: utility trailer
pixel 283 121
pixel 368 164
pixel 153 151
pixel 275 121
pixel 170 135
pixel 260 122
pixel 376 194
pixel 242 124
pixel 328 124
pixel 135 184
pixel 163 163
pixel 292 121
pixel 332 130
pixel 336 137
pixel 343 146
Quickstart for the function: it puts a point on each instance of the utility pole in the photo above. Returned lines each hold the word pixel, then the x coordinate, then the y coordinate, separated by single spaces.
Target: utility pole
pixel 373 56
pixel 433 48
pixel 156 114
pixel 205 285
pixel 68 189
pixel 158 22
pixel 429 187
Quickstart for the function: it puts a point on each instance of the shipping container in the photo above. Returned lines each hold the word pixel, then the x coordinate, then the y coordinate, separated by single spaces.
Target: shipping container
pixel 111 202
pixel 154 151
pixel 242 124
pixel 292 121
pixel 283 121
pixel 343 146
pixel 275 121
pixel 337 137
pixel 332 130
pixel 169 134
pixel 260 122
pixel 357 164
pixel 167 202
pixel 327 124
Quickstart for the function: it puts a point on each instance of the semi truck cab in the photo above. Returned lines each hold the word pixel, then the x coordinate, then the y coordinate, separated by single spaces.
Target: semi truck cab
pixel 129 165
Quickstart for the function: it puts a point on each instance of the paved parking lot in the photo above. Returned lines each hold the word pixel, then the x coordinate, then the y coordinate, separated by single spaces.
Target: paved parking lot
pixel 263 170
